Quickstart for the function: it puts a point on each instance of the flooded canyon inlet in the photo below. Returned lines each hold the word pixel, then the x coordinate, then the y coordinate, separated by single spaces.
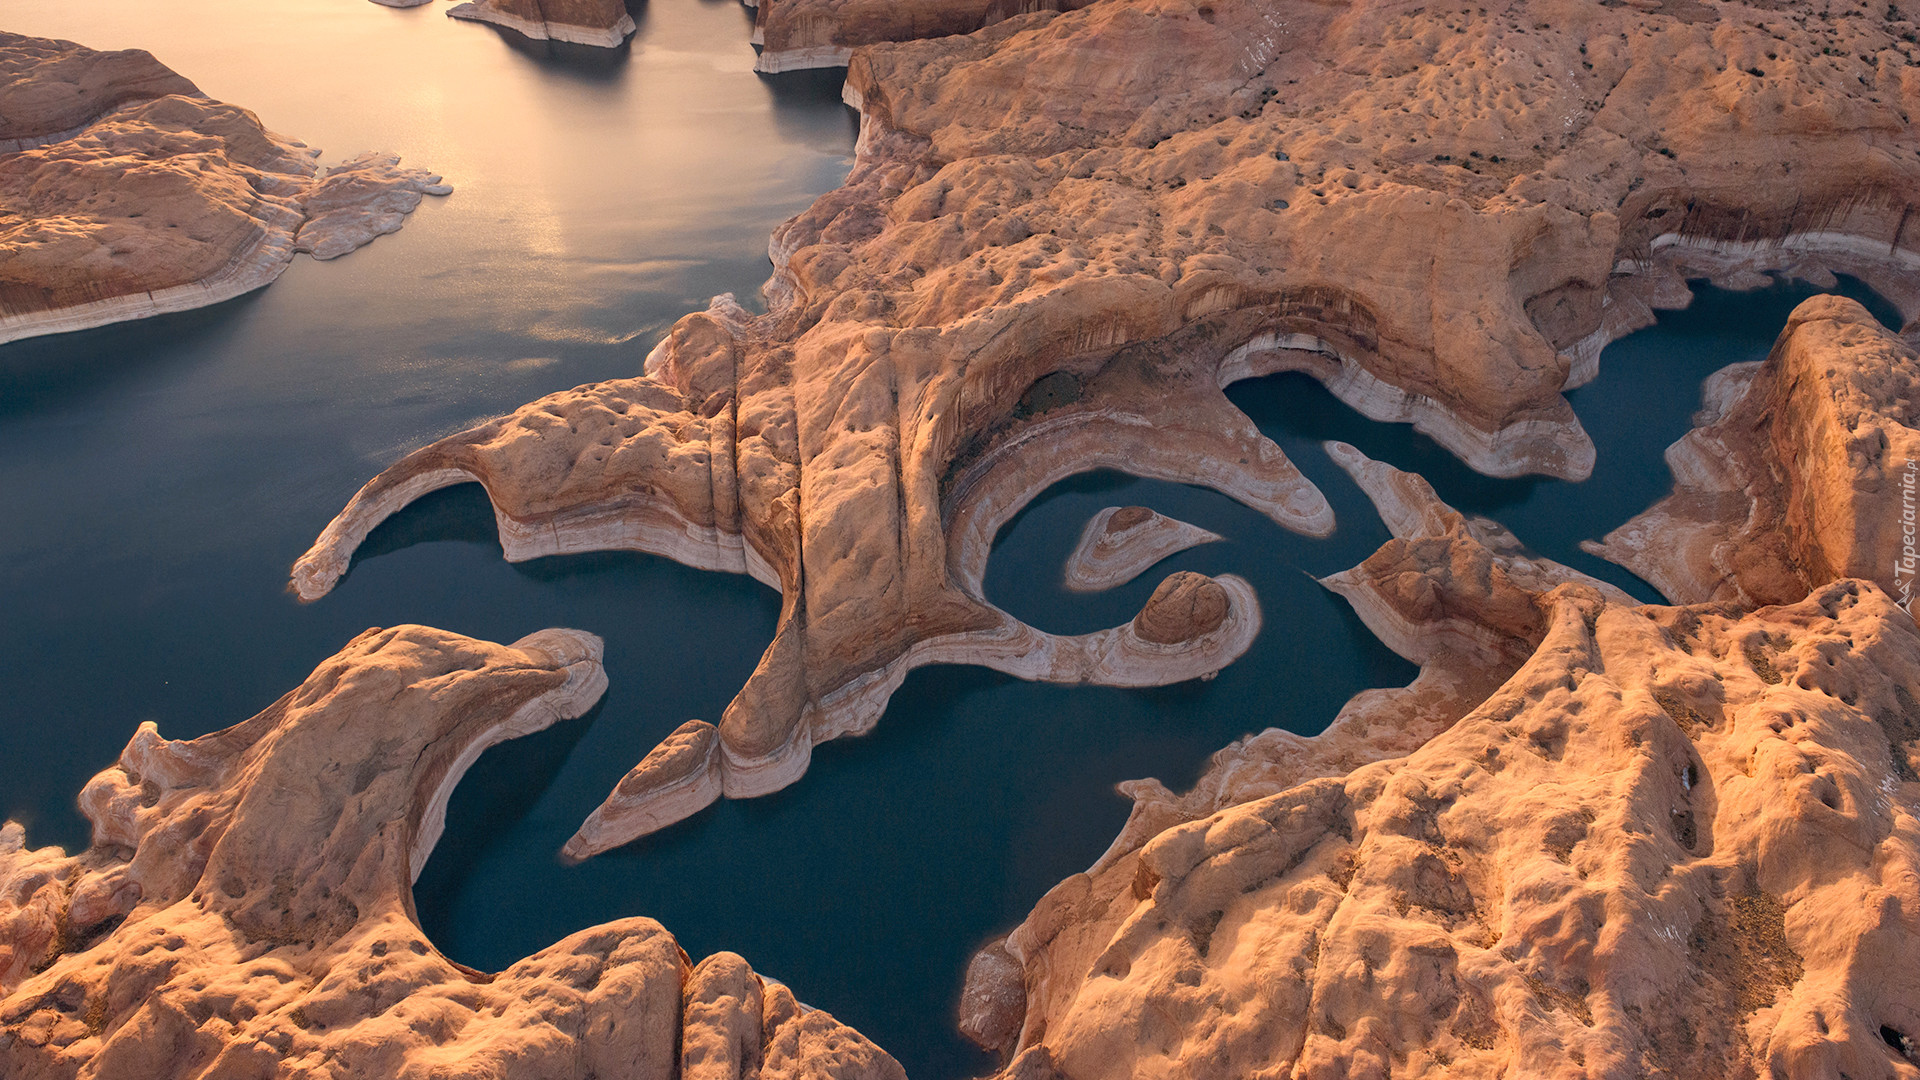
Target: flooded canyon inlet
pixel 162 475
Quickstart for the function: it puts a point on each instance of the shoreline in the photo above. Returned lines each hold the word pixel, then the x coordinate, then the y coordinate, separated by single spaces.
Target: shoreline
pixel 254 268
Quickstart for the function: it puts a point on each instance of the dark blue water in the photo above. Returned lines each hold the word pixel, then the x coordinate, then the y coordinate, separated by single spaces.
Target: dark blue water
pixel 161 476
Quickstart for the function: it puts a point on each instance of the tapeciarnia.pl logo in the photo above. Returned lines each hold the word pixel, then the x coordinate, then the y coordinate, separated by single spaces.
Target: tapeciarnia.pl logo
pixel 1904 567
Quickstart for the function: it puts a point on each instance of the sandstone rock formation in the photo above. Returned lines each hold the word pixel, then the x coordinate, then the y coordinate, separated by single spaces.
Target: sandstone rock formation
pixel 357 200
pixel 1804 468
pixel 1678 842
pixel 1121 542
pixel 583 22
pixel 51 90
pixel 697 462
pixel 1410 594
pixel 246 911
pixel 125 193
pixel 1066 232
pixel 1669 841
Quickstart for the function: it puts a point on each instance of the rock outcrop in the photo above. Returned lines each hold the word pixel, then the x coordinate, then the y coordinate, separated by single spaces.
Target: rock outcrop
pixel 1184 607
pixel 1804 468
pixel 1122 542
pixel 1066 232
pixel 246 907
pixel 51 90
pixel 1677 842
pixel 1412 594
pixel 1666 841
pixel 604 23
pixel 125 193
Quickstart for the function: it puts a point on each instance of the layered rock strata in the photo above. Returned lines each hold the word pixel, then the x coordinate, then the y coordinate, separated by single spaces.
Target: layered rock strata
pixel 125 193
pixel 1673 842
pixel 1066 232
pixel 794 34
pixel 1122 542
pixel 604 23
pixel 246 911
pixel 1803 468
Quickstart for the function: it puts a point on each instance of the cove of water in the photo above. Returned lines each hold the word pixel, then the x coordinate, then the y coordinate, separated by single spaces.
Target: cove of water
pixel 161 476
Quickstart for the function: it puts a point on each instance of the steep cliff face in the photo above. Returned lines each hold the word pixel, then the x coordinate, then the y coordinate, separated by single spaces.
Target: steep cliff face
pixel 1805 468
pixel 125 193
pixel 1066 232
pixel 246 907
pixel 605 23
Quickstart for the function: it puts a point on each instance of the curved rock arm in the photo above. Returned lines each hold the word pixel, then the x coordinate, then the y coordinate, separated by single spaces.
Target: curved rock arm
pixel 696 461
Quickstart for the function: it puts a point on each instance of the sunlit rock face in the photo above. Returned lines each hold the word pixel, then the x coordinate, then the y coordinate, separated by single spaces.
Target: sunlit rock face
pixel 604 23
pixel 246 907
pixel 1594 838
pixel 1806 467
pixel 128 193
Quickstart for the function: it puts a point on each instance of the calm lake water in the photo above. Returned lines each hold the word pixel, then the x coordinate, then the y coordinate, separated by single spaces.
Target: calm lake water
pixel 161 477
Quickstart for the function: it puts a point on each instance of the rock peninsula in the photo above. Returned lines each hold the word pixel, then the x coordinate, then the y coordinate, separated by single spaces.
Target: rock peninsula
pixel 246 909
pixel 1593 838
pixel 1675 842
pixel 125 192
